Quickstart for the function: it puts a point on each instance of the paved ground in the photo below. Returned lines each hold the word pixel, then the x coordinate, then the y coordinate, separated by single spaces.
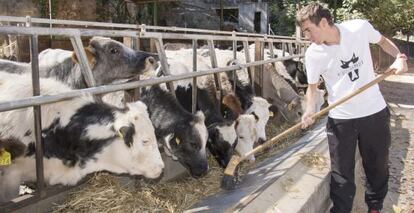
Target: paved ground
pixel 398 91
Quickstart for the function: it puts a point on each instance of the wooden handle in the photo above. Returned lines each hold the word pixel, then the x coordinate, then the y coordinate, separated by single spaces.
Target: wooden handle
pixel 316 115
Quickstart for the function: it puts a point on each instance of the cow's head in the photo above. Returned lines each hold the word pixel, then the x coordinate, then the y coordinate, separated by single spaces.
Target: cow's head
pixel 293 110
pixel 188 144
pixel 221 141
pixel 260 107
pixel 136 149
pixel 111 60
pixel 246 134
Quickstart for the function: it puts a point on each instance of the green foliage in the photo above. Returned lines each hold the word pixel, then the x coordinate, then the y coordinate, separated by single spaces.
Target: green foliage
pixel 282 16
pixel 115 11
pixel 43 6
pixel 388 16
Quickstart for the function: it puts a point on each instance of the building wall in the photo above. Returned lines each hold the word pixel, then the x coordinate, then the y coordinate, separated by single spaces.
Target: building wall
pixel 84 10
pixel 19 8
pixel 246 16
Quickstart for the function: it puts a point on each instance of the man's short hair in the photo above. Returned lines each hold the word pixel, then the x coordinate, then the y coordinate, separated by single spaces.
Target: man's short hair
pixel 314 12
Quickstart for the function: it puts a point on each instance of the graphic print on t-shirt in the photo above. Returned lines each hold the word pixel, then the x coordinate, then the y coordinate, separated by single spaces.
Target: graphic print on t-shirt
pixel 351 67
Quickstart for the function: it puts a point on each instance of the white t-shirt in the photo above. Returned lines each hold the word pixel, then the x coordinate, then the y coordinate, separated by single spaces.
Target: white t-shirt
pixel 345 68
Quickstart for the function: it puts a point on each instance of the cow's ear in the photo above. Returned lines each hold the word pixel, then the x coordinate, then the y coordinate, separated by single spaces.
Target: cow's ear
pixel 127 133
pixel 90 55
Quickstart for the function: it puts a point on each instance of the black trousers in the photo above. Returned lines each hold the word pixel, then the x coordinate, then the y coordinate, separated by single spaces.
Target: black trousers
pixel 373 137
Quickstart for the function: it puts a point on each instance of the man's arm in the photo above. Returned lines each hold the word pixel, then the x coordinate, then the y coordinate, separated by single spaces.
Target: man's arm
pixel 400 63
pixel 310 105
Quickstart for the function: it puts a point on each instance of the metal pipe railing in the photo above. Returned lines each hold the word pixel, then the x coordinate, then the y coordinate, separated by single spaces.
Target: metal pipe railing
pixel 38 100
pixel 132 26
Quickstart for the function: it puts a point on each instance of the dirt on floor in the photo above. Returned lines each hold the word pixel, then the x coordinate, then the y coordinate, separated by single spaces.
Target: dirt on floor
pixel 398 92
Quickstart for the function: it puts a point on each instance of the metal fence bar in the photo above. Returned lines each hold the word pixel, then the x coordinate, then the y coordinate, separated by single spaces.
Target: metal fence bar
pixel 83 61
pixel 258 70
pixel 195 88
pixel 250 70
pixel 133 94
pixel 234 57
pixel 38 100
pixel 130 26
pixel 213 59
pixel 164 63
pixel 126 33
pixel 290 48
pixel 37 116
pixel 65 31
pixel 205 37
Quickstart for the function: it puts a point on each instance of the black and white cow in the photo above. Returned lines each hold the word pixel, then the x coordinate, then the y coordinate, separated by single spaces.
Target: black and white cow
pixel 183 134
pixel 109 60
pixel 79 137
pixel 246 135
pixel 250 103
pixel 221 132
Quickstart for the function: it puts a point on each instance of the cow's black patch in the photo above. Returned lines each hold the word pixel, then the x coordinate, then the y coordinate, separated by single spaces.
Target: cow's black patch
pixel 169 117
pixel 244 92
pixel 218 147
pixel 128 133
pixel 69 143
pixel 28 133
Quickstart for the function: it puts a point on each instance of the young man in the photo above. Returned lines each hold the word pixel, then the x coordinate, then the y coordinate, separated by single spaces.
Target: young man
pixel 340 54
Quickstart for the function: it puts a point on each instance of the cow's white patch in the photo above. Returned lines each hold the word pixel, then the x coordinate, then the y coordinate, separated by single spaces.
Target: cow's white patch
pixel 202 131
pixel 19 86
pixel 260 107
pixel 246 133
pixel 167 145
pixel 228 133
pixel 97 131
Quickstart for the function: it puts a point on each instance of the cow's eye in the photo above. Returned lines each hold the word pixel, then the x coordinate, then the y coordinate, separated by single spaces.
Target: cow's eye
pixel 145 141
pixel 241 137
pixel 114 51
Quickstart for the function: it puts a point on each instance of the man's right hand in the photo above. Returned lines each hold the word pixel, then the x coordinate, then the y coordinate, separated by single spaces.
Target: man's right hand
pixel 307 119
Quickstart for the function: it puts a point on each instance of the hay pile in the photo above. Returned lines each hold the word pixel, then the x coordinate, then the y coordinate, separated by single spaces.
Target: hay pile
pixel 104 193
pixel 314 160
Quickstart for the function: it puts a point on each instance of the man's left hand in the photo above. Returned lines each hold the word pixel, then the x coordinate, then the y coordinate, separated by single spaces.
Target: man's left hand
pixel 400 64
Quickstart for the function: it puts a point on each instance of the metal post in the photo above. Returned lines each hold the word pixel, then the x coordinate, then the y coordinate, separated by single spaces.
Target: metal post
pixel 250 70
pixel 213 59
pixel 272 54
pixel 234 57
pixel 165 69
pixel 132 94
pixel 37 116
pixel 259 49
pixel 290 48
pixel 195 88
pixel 83 61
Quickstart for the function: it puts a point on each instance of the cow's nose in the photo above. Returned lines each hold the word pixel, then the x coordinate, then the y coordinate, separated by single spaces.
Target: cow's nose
pixel 261 140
